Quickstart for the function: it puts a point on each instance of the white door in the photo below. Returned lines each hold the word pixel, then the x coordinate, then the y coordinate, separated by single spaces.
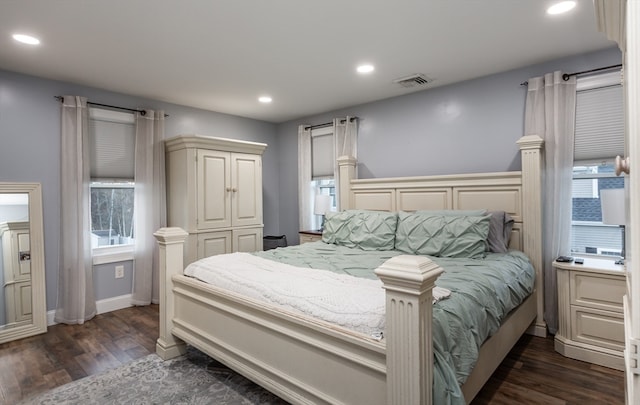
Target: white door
pixel 632 301
pixel 620 20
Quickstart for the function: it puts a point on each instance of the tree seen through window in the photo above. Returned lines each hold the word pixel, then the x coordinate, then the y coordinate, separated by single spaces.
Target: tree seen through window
pixel 111 215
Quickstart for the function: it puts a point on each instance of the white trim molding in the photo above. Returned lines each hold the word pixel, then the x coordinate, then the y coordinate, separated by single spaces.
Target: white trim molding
pixel 102 306
pixel 112 254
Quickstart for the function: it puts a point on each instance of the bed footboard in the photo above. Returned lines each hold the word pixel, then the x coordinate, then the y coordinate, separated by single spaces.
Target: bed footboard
pixel 298 358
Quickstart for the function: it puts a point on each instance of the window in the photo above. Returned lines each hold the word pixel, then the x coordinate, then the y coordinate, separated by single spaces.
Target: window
pixel 111 214
pixel 112 158
pixel 328 187
pixel 322 159
pixel 599 137
pixel 588 233
pixel 322 163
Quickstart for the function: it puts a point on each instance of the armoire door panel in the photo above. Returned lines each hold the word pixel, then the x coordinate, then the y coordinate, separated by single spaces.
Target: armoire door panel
pixel 247 240
pixel 214 189
pixel 214 243
pixel 246 192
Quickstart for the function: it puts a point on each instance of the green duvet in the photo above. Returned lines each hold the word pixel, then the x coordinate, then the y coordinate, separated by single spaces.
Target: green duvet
pixel 484 291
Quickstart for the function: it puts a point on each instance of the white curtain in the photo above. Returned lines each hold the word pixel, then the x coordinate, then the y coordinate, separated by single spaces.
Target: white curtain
pixel 76 301
pixel 149 205
pixel 550 114
pixel 345 138
pixel 305 190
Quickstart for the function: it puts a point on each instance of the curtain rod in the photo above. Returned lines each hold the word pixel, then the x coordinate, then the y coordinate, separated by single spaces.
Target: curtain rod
pixel 566 76
pixel 328 124
pixel 142 112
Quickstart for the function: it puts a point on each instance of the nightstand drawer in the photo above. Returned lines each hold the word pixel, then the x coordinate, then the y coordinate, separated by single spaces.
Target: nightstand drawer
pixel 309 237
pixel 598 291
pixel 599 328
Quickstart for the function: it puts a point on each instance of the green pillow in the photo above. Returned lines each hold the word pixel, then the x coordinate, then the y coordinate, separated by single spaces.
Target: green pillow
pixel 367 230
pixel 425 233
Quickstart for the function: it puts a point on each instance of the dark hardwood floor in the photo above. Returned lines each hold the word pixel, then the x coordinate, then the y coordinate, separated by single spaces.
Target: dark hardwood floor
pixel 70 352
pixel 533 373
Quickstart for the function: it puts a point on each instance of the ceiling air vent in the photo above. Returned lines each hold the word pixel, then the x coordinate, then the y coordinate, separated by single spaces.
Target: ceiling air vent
pixel 417 79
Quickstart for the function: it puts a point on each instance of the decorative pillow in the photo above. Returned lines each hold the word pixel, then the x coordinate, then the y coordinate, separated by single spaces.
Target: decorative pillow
pixel 423 233
pixel 500 226
pixel 367 230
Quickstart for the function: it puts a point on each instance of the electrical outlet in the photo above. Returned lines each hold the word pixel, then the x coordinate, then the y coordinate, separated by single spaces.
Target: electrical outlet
pixel 119 271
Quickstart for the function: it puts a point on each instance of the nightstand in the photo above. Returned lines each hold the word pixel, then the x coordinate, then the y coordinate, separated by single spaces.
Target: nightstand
pixel 590 314
pixel 310 236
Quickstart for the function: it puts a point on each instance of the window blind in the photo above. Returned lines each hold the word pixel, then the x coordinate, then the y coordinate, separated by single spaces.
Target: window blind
pixel 112 145
pixel 322 155
pixel 599 124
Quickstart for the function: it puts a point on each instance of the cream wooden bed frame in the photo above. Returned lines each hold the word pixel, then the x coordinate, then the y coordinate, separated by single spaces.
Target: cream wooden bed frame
pixel 310 361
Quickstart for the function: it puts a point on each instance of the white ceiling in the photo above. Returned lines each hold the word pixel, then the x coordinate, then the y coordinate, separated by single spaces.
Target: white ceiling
pixel 221 55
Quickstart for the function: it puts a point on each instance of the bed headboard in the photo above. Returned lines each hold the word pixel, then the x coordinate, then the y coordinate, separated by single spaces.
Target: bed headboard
pixel 518 193
pixel 492 191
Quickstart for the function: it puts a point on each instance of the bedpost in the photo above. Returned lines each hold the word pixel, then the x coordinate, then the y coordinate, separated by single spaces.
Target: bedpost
pixel 347 167
pixel 171 246
pixel 531 154
pixel 408 281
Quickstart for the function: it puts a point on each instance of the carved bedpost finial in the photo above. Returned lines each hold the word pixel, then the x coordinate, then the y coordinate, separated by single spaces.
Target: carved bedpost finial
pixel 167 236
pixel 530 142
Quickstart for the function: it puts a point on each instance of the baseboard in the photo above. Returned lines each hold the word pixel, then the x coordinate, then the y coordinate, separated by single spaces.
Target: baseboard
pixel 102 306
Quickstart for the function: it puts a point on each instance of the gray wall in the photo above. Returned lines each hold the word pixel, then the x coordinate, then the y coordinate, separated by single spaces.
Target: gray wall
pixel 106 285
pixel 466 127
pixel 30 152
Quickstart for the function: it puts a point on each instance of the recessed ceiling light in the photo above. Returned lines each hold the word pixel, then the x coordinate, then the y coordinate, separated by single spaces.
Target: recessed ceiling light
pixel 365 68
pixel 26 39
pixel 561 7
pixel 265 99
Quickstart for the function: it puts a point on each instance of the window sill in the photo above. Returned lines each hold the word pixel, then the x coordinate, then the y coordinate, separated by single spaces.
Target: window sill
pixel 112 254
pixel 593 223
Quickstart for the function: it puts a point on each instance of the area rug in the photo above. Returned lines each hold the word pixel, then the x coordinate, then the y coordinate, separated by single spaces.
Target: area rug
pixel 192 378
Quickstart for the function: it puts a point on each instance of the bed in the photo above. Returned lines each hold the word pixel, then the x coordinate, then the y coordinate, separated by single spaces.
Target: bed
pixel 306 360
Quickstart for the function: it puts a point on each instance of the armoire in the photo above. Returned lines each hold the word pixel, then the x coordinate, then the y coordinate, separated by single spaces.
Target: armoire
pixel 214 193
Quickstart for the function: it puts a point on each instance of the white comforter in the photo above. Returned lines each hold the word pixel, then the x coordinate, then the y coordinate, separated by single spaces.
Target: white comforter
pixel 354 303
